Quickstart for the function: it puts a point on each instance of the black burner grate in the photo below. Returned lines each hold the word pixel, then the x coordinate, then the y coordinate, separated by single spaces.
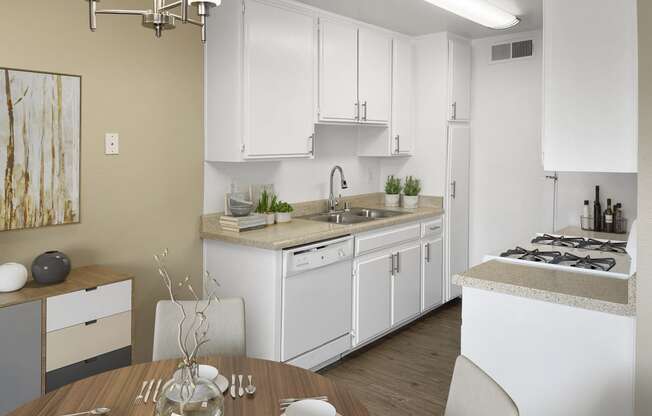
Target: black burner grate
pixel 601 264
pixel 531 255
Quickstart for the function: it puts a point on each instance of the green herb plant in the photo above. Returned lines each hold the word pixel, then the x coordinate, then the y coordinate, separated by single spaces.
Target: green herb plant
pixel 412 186
pixel 266 203
pixel 393 185
pixel 283 206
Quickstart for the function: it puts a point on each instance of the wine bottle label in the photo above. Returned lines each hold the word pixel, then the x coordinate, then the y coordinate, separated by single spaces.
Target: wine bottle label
pixel 609 219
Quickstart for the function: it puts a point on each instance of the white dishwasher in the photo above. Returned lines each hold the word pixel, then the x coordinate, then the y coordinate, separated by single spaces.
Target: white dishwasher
pixel 317 302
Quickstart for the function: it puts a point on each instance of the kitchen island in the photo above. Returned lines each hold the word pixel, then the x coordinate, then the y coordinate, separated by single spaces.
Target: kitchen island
pixel 559 342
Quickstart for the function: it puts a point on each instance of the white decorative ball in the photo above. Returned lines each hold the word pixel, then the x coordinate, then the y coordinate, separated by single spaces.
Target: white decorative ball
pixel 13 276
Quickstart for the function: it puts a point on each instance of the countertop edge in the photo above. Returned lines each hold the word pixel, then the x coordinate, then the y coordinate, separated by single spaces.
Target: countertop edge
pixel 628 309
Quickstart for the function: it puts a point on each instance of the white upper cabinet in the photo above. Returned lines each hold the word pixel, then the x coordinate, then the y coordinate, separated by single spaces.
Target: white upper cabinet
pixel 279 80
pixel 338 72
pixel 354 74
pixel 374 72
pixel 590 86
pixel 459 80
pixel 260 81
pixel 402 136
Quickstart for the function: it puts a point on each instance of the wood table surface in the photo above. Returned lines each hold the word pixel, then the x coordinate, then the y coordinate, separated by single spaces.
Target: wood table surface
pixel 117 390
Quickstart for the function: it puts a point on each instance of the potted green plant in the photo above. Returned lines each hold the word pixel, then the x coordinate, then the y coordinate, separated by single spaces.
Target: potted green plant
pixel 266 205
pixel 411 192
pixel 392 191
pixel 283 212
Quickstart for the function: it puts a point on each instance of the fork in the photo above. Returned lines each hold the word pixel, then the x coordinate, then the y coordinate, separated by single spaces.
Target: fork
pixel 141 396
pixel 285 403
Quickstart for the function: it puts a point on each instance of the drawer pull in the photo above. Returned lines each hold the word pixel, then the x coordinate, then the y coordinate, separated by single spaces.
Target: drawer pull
pixel 90 289
pixel 434 228
pixel 94 321
pixel 90 360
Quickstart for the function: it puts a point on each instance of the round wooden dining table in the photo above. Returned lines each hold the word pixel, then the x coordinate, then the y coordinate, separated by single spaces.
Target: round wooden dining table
pixel 118 389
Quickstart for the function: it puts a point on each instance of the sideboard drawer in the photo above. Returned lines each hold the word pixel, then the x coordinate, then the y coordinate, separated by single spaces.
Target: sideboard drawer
pixel 87 305
pixel 432 228
pixel 379 239
pixel 81 342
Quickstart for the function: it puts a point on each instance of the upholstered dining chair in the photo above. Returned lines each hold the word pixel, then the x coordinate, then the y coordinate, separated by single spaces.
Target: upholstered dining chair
pixel 226 332
pixel 474 393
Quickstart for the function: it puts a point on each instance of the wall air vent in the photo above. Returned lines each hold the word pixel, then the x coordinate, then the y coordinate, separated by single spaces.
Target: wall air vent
pixel 509 51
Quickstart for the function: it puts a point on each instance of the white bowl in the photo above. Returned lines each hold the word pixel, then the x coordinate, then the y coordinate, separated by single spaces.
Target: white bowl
pixel 208 372
pixel 310 407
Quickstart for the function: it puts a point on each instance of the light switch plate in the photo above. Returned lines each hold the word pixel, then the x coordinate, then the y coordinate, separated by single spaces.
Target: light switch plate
pixel 111 144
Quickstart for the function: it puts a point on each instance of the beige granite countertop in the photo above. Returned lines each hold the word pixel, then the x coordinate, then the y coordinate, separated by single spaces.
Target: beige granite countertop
pixel 301 231
pixel 578 232
pixel 581 290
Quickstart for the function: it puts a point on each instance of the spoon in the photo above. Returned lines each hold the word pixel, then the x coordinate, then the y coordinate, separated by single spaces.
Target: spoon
pixel 250 389
pixel 98 411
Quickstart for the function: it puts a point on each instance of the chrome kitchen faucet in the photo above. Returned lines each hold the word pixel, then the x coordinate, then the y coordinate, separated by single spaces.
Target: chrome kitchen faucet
pixel 332 201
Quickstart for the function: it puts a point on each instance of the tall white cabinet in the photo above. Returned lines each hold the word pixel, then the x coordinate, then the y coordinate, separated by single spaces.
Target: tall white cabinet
pixel 459 80
pixel 590 86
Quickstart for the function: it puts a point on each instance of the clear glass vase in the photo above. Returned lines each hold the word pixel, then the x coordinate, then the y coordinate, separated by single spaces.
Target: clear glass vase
pixel 186 394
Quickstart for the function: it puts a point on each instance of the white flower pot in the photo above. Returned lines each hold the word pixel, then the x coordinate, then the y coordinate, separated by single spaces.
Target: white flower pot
pixel 391 200
pixel 410 202
pixel 270 218
pixel 13 276
pixel 282 217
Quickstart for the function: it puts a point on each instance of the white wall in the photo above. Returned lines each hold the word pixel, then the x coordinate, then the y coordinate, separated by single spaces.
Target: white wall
pixel 507 178
pixel 298 180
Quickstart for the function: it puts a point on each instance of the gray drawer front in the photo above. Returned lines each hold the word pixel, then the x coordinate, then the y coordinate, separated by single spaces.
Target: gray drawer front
pixel 20 355
pixel 101 363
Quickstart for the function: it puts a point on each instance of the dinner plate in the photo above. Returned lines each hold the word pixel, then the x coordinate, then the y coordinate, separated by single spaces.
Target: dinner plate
pixel 310 407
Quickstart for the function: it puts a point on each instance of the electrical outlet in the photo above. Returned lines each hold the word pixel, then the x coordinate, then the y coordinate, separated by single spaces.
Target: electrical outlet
pixel 111 144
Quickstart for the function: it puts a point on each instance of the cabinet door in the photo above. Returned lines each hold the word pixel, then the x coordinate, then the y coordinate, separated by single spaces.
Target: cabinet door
pixel 407 283
pixel 458 206
pixel 280 90
pixel 374 76
pixel 402 134
pixel 432 273
pixel 590 86
pixel 20 358
pixel 373 295
pixel 459 79
pixel 338 72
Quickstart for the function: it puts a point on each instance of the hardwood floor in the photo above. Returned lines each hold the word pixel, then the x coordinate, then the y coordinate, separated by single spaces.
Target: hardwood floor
pixel 408 372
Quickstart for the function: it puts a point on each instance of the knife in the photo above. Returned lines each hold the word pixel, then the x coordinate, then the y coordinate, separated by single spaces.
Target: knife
pixel 233 386
pixel 149 390
pixel 155 395
pixel 241 389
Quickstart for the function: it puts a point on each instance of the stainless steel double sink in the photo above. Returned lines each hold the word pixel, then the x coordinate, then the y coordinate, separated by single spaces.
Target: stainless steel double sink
pixel 353 216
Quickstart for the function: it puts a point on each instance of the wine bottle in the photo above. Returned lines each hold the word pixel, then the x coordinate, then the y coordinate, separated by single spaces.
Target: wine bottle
pixel 597 211
pixel 609 218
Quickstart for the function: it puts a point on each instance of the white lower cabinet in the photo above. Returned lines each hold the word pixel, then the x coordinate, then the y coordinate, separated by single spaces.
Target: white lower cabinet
pixel 406 283
pixel 373 303
pixel 432 272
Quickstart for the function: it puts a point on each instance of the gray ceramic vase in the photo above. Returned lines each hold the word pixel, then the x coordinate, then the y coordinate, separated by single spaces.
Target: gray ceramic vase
pixel 51 267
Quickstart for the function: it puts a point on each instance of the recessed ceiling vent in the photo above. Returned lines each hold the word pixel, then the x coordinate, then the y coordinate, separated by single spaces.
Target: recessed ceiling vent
pixel 512 50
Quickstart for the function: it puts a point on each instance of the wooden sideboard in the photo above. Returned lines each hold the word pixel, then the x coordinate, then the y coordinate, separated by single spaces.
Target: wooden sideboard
pixel 51 335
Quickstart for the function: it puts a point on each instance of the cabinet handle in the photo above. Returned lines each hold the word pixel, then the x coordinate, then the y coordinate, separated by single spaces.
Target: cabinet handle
pixel 392 267
pixel 94 321
pixel 311 144
pixel 454 111
pixel 364 106
pixel 398 143
pixel 90 289
pixel 428 252
pixel 398 262
pixel 357 110
pixel 434 228
pixel 454 189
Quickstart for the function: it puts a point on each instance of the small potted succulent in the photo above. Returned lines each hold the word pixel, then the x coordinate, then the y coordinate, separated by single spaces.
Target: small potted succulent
pixel 411 192
pixel 283 212
pixel 392 191
pixel 266 205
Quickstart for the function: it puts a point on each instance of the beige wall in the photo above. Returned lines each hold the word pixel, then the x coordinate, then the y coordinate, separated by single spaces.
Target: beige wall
pixel 644 294
pixel 150 92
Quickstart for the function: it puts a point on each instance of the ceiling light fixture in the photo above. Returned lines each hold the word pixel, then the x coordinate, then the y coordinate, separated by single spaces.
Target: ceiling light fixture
pixel 160 17
pixel 479 11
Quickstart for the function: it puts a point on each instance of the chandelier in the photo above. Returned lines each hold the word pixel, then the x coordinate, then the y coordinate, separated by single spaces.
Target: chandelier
pixel 160 16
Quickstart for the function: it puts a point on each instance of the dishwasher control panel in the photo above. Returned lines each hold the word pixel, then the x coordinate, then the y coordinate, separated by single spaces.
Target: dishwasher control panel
pixel 313 256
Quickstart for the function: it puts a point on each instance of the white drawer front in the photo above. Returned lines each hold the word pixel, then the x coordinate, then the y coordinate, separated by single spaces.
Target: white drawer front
pixel 81 342
pixel 432 228
pixel 311 360
pixel 376 240
pixel 87 305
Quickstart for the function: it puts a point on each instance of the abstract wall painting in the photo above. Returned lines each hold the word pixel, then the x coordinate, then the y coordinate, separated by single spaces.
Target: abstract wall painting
pixel 40 130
